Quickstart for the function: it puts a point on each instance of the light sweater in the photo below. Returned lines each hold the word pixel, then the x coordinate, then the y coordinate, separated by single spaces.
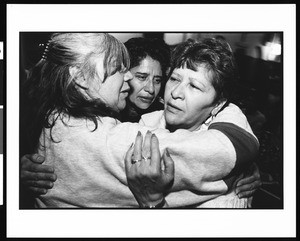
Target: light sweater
pixel 89 162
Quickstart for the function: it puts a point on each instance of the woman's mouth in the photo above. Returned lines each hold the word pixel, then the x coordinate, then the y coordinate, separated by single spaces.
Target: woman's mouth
pixel 173 108
pixel 125 92
pixel 146 99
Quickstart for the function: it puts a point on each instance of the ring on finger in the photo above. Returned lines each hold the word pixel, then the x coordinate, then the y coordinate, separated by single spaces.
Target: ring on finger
pixel 135 161
pixel 146 158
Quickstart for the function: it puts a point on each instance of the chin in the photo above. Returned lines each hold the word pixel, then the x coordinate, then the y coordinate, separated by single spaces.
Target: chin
pixel 171 119
pixel 121 106
pixel 143 106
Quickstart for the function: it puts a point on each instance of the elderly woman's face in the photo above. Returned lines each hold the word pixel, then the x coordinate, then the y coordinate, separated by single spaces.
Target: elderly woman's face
pixel 113 91
pixel 189 98
pixel 146 83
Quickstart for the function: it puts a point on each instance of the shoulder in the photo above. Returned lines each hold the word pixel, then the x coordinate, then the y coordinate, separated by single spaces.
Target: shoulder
pixel 66 124
pixel 232 114
pixel 154 119
pixel 232 122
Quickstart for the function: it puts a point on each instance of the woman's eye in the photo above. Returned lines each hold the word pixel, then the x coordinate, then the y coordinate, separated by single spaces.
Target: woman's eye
pixel 157 81
pixel 173 79
pixel 141 77
pixel 195 87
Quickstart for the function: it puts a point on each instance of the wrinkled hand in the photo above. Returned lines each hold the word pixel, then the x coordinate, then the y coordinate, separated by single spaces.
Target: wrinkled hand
pixel 146 179
pixel 250 183
pixel 36 177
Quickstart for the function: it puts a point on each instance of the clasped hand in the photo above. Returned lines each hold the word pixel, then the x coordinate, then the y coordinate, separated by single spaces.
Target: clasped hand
pixel 149 175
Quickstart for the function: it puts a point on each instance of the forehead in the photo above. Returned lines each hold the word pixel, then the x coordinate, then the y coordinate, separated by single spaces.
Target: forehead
pixel 148 62
pixel 202 74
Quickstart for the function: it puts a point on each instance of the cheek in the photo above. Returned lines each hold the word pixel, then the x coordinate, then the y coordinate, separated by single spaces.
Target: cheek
pixel 167 93
pixel 94 85
pixel 198 108
pixel 135 86
pixel 157 89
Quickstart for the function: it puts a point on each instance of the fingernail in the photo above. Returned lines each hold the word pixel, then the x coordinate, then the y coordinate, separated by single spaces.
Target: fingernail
pixel 40 159
pixel 54 177
pixel 139 133
pixel 148 132
pixel 167 152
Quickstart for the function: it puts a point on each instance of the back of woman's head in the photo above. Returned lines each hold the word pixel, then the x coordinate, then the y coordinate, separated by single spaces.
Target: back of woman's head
pixel 51 86
pixel 213 54
pixel 140 48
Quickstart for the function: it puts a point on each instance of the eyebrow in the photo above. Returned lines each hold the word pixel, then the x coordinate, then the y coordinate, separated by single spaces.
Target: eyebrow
pixel 142 73
pixel 198 81
pixel 177 75
pixel 145 73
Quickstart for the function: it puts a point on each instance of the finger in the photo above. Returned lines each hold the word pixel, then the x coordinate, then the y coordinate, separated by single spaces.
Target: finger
pixel 146 152
pixel 38 191
pixel 169 166
pixel 245 181
pixel 241 176
pixel 137 152
pixel 36 158
pixel 25 159
pixel 40 184
pixel 246 194
pixel 243 188
pixel 256 172
pixel 155 154
pixel 128 158
pixel 34 167
pixel 248 187
pixel 25 175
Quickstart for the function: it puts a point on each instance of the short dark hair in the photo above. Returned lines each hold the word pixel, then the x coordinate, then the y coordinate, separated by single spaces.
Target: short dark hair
pixel 216 56
pixel 139 48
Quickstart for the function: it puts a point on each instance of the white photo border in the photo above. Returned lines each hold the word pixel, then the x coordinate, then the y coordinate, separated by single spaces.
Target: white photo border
pixel 141 18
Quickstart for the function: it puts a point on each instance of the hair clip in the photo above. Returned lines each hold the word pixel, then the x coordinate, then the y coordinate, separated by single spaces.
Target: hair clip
pixel 46 50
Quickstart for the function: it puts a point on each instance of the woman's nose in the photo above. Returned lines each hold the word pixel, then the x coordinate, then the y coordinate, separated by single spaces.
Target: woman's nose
pixel 178 92
pixel 128 76
pixel 149 87
pixel 125 85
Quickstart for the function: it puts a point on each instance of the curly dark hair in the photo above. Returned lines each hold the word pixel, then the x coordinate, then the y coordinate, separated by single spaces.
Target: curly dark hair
pixel 216 56
pixel 157 49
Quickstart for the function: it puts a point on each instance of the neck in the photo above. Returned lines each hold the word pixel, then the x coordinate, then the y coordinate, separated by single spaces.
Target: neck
pixel 132 113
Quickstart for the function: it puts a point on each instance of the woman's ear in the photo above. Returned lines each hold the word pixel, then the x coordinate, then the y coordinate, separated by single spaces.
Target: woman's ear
pixel 79 80
pixel 218 107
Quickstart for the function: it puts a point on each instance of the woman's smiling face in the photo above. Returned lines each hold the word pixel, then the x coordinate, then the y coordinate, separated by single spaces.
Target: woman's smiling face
pixel 146 83
pixel 189 98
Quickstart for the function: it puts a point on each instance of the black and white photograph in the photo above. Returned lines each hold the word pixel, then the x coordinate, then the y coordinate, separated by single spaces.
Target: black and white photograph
pixel 1 74
pixel 229 90
pixel 146 123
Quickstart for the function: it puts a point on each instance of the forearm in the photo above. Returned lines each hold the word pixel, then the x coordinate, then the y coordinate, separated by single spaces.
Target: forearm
pixel 203 158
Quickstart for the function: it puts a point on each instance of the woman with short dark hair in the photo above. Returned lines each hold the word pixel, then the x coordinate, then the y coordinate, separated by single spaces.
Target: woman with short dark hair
pixel 149 61
pixel 89 72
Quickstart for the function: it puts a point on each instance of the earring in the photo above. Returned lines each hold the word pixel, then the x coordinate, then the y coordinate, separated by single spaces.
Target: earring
pixel 216 110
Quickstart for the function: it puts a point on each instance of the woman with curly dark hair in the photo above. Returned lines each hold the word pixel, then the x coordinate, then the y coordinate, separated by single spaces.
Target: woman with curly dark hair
pixel 149 61
pixel 79 87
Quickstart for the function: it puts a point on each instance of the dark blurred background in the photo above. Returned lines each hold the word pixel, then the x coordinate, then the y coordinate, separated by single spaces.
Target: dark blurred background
pixel 259 93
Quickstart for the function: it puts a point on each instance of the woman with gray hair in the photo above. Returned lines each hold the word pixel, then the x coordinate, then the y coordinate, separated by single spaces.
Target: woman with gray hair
pixel 79 87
